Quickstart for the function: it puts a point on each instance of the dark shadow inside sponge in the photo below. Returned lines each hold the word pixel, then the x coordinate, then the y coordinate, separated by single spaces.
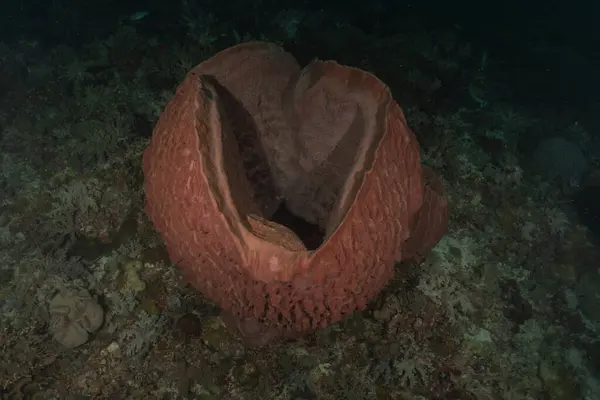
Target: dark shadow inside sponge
pixel 311 234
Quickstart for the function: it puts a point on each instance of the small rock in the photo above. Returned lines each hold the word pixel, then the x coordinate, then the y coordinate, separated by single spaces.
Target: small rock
pixel 113 348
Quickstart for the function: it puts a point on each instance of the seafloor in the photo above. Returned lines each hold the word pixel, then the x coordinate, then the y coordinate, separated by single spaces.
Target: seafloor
pixel 498 310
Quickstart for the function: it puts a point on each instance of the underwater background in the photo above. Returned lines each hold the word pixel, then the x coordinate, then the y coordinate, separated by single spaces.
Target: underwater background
pixel 503 100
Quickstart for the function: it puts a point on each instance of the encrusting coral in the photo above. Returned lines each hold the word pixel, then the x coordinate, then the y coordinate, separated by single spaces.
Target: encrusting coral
pixel 249 129
pixel 74 314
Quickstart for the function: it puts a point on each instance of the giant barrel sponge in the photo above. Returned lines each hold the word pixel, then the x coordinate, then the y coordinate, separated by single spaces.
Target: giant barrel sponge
pixel 249 129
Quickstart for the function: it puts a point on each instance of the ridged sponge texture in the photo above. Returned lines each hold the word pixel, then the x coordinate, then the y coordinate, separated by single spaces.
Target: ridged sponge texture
pixel 249 129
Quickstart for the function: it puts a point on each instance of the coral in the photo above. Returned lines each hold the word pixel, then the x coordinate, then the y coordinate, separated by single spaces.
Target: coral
pixel 74 314
pixel 120 305
pixel 137 339
pixel 446 292
pixel 88 207
pixel 413 369
pixel 132 278
pixel 249 129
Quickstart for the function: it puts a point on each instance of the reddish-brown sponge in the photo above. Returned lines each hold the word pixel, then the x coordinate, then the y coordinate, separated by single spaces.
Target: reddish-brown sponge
pixel 249 129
